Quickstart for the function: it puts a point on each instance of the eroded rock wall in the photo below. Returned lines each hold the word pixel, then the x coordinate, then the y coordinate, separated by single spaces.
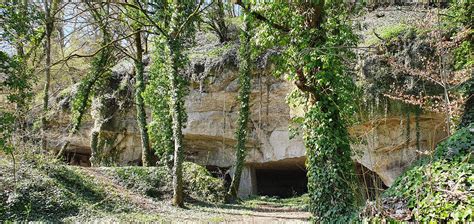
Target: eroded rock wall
pixel 381 141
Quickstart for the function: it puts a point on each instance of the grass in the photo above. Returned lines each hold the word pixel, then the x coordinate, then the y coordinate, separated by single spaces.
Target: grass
pixel 389 33
pixel 50 191
pixel 299 203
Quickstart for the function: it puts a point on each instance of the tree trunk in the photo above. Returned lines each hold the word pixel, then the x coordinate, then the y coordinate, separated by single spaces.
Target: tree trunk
pixel 221 22
pixel 49 29
pixel 141 113
pixel 244 95
pixel 176 114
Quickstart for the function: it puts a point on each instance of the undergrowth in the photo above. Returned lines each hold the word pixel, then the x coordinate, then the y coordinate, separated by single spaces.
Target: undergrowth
pixel 440 189
pixel 299 203
pixel 50 191
pixel 155 182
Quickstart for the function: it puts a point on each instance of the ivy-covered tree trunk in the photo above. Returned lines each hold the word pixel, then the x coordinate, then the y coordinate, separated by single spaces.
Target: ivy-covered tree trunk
pixel 176 107
pixel 243 98
pixel 99 65
pixel 141 113
pixel 176 114
pixel 80 103
pixel 330 170
pixel 312 34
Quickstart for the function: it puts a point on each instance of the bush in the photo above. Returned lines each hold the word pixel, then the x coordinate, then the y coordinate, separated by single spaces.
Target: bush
pixel 200 184
pixel 156 182
pixel 440 189
pixel 152 181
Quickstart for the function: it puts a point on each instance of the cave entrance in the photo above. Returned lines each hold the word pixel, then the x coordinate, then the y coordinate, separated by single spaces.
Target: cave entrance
pixel 284 178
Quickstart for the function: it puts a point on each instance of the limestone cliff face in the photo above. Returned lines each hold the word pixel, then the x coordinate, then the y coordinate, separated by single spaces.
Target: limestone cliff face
pixel 382 143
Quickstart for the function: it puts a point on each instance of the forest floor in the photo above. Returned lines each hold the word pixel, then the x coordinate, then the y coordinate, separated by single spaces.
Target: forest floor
pixel 253 210
pixel 52 192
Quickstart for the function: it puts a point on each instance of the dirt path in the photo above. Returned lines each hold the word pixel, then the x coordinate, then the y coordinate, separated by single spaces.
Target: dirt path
pixel 159 211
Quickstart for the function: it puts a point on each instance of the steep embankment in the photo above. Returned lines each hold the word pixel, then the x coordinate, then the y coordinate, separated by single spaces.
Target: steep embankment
pixel 436 188
pixel 52 192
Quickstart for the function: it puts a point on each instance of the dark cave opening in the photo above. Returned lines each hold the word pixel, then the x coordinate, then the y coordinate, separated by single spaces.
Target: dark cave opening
pixel 282 183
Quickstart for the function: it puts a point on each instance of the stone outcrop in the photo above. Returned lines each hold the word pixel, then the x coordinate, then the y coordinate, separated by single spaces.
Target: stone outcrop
pixel 382 143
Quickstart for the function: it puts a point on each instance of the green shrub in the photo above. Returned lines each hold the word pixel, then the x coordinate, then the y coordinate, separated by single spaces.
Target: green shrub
pixel 152 181
pixel 441 188
pixel 156 182
pixel 464 55
pixel 201 185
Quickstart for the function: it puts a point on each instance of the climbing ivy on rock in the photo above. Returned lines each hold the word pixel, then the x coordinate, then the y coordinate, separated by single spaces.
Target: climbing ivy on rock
pixel 437 189
pixel 243 99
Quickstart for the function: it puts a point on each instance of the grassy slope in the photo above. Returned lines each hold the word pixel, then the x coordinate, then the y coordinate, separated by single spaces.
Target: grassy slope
pixel 48 191
pixel 53 192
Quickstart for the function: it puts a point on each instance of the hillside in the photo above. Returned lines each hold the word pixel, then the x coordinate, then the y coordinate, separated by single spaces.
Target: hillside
pixel 54 192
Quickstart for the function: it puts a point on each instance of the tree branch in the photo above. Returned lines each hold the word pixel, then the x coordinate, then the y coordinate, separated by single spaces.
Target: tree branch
pixel 261 17
pixel 96 52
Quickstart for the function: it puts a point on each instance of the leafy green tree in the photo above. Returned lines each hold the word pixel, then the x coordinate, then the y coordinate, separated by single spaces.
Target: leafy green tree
pixel 18 29
pixel 316 39
pixel 21 33
pixel 157 97
pixel 175 31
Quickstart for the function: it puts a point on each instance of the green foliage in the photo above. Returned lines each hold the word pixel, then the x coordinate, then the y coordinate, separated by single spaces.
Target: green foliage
pixel 315 56
pixel 157 97
pixel 390 32
pixel 152 182
pixel 460 143
pixel 16 79
pixel 440 189
pixel 21 24
pixel 94 81
pixel 394 32
pixel 464 55
pixel 6 129
pixel 155 182
pixel 459 13
pixel 51 192
pixel 200 184
pixel 300 203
